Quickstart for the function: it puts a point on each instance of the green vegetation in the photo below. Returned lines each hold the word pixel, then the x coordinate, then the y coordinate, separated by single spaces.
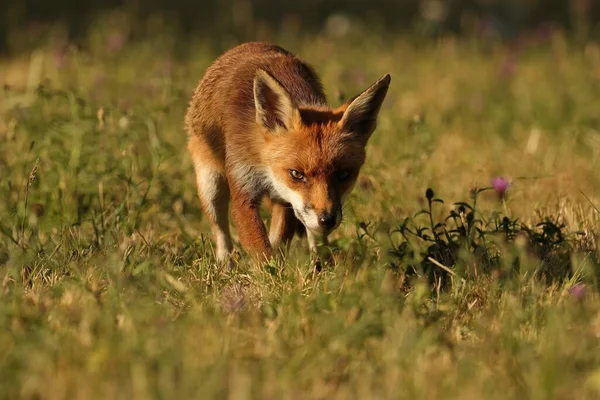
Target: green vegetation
pixel 108 283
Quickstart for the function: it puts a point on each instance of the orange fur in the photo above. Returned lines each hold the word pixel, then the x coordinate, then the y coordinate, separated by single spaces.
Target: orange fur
pixel 259 124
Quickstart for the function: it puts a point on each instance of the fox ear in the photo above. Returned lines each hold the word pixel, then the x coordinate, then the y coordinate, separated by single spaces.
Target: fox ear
pixel 275 108
pixel 360 115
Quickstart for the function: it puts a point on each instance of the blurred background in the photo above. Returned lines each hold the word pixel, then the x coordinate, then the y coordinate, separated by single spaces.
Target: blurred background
pixel 24 23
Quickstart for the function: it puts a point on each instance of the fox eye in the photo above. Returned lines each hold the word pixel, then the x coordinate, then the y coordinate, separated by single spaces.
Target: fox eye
pixel 343 175
pixel 296 175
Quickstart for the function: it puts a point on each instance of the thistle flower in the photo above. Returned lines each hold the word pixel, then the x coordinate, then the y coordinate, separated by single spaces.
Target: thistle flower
pixel 500 185
pixel 578 291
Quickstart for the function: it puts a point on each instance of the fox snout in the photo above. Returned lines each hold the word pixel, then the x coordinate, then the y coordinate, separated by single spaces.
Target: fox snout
pixel 327 219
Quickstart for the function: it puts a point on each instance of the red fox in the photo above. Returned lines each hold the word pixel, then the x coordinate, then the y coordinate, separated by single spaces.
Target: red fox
pixel 259 125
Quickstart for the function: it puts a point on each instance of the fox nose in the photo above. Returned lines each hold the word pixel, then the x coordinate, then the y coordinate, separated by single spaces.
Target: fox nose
pixel 327 220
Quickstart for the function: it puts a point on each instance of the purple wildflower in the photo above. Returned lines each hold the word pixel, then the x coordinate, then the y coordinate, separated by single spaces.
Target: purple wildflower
pixel 508 67
pixel 486 27
pixel 545 32
pixel 115 42
pixel 60 57
pixel 578 291
pixel 582 6
pixel 500 185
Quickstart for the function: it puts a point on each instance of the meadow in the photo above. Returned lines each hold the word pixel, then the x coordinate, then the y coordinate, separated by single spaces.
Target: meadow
pixel 484 286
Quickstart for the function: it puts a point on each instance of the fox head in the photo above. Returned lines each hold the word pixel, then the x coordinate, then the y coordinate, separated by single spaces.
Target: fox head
pixel 314 154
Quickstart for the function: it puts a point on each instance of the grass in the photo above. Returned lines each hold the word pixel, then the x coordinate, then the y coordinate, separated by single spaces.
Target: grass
pixel 108 283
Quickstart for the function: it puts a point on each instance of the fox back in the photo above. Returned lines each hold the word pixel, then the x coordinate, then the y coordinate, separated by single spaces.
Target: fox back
pixel 259 124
